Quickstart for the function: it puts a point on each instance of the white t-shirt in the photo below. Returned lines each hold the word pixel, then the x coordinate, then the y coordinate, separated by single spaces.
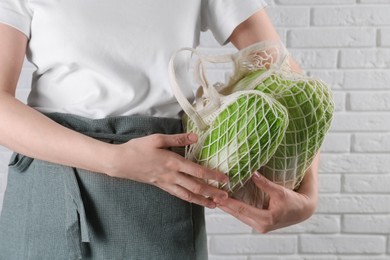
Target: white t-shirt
pixel 99 58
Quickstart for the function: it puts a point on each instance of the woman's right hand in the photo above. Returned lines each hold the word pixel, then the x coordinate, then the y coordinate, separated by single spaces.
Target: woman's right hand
pixel 147 160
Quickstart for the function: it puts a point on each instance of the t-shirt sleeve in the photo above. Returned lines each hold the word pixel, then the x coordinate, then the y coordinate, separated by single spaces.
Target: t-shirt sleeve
pixel 223 16
pixel 17 14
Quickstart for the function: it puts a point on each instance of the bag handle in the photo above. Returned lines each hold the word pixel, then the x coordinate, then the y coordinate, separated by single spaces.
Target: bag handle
pixel 200 75
pixel 212 95
pixel 184 103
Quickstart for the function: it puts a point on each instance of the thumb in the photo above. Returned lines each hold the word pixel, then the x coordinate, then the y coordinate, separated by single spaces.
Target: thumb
pixel 176 140
pixel 266 185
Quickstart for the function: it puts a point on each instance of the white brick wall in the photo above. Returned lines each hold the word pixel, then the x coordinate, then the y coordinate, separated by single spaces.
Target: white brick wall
pixel 347 44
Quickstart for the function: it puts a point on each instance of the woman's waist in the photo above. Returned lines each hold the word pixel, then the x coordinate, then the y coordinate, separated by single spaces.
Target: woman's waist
pixel 118 129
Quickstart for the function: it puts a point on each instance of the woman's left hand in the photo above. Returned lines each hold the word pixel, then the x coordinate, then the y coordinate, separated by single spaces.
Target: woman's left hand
pixel 285 208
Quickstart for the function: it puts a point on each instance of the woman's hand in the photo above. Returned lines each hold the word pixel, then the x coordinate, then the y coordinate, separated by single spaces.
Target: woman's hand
pixel 148 160
pixel 285 208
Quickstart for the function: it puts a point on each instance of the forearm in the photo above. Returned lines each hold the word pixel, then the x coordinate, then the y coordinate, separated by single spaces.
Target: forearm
pixel 309 184
pixel 30 133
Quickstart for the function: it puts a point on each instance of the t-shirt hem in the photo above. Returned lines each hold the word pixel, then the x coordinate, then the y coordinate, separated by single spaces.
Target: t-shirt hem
pixel 15 20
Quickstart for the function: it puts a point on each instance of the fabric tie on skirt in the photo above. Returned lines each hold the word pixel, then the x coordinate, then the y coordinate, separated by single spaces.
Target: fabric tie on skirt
pixel 76 227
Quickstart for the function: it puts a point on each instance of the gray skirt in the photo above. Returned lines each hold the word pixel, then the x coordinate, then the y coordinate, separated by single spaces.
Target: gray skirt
pixel 52 211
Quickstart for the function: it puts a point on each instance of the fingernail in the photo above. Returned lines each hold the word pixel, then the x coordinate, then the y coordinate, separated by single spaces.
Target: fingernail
pixel 223 196
pixel 257 175
pixel 211 205
pixel 192 137
pixel 226 178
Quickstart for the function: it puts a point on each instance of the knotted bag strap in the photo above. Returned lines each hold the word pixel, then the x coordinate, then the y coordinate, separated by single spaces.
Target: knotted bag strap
pixel 210 93
pixel 184 103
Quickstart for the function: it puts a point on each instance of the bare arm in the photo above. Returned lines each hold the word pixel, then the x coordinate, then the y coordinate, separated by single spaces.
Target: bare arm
pixel 286 207
pixel 255 29
pixel 29 132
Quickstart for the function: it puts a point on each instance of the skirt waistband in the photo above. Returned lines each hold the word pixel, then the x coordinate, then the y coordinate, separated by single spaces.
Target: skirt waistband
pixel 118 129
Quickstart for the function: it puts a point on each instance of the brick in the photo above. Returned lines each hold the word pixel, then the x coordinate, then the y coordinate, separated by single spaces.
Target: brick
pixel 369 101
pixel 331 37
pixel 355 80
pixel 343 244
pixel 317 224
pixel 27 64
pixel 371 142
pixel 4 161
pixel 329 183
pixel 255 244
pixel 363 121
pixel 25 78
pixel 314 2
pixel 339 99
pixel 388 244
pixel 351 16
pixel 367 224
pixel 207 40
pixel 360 204
pixel 373 1
pixel 334 78
pixel 373 80
pixel 354 163
pixel 282 32
pixel 373 58
pixel 269 257
pixel 4 149
pixel 336 143
pixel 312 59
pixel 22 95
pixel 3 181
pixel 363 257
pixel 366 183
pixel 225 224
pixel 224 257
pixel 3 186
pixel 318 258
pixel 289 16
pixel 1 201
pixel 300 257
pixel 384 38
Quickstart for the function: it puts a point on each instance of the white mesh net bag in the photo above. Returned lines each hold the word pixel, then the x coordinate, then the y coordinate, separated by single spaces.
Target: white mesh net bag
pixel 309 105
pixel 237 133
pixel 310 109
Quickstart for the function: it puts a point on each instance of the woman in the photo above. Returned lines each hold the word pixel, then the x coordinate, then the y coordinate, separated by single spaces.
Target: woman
pixel 95 175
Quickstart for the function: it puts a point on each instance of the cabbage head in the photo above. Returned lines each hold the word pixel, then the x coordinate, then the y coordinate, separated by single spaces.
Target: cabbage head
pixel 241 137
pixel 310 108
